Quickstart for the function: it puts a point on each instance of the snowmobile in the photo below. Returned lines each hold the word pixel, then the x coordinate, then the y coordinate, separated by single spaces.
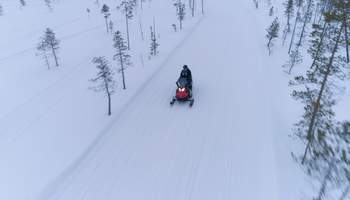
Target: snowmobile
pixel 183 92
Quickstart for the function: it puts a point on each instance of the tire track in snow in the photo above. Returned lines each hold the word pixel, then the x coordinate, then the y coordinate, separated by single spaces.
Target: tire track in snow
pixel 70 172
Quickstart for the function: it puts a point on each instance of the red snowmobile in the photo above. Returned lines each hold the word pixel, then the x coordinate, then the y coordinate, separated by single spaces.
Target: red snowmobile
pixel 183 92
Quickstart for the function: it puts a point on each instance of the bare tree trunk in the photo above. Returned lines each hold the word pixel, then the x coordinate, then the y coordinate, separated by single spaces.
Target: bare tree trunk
pixel 310 131
pixel 122 68
pixel 180 24
pixel 141 29
pixel 304 23
pixel 346 41
pixel 109 98
pixel 54 55
pixel 127 29
pixel 106 18
pixel 193 8
pixel 46 59
pixel 268 45
pixel 324 29
pixel 202 6
pixel 295 26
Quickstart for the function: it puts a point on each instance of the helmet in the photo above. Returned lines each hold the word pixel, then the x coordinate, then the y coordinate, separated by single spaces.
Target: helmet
pixel 185 67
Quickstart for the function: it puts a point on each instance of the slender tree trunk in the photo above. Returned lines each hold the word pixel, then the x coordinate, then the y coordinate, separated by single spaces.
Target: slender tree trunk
pixel 106 19
pixel 295 26
pixel 324 29
pixel 202 6
pixel 109 98
pixel 193 8
pixel 346 40
pixel 268 45
pixel 141 30
pixel 304 23
pixel 180 24
pixel 287 30
pixel 127 29
pixel 46 59
pixel 310 131
pixel 122 67
pixel 54 55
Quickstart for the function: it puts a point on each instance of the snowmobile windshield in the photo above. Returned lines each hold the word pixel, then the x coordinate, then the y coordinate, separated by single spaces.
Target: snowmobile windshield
pixel 182 82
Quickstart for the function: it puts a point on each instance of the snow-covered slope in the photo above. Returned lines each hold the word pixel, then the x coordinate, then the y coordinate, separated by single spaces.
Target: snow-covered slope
pixel 228 146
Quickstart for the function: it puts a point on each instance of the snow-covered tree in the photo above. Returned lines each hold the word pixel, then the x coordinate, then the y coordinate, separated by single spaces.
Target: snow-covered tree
pixel 106 14
pixel 202 3
pixel 180 11
pixel 272 33
pixel 154 42
pixel 288 13
pixel 271 11
pixel 22 3
pixel 256 3
pixel 104 79
pixel 1 10
pixel 121 54
pixel 127 7
pixel 111 26
pixel 298 4
pixel 49 44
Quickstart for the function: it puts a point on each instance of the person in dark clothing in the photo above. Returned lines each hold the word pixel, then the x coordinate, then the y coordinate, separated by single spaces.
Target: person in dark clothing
pixel 186 73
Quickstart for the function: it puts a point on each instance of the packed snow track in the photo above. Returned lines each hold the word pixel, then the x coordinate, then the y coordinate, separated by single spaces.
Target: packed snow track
pixel 220 149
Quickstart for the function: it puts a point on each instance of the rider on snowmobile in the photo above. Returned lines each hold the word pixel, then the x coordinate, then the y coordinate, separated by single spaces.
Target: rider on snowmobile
pixel 186 73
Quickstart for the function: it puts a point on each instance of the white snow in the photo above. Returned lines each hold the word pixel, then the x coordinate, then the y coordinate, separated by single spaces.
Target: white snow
pixel 56 141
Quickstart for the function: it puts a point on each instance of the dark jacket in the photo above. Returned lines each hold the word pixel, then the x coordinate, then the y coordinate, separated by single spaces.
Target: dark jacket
pixel 186 73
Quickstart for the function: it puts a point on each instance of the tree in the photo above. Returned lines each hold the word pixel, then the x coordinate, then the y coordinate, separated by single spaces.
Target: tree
pixel 271 12
pixel 104 79
pixel 121 54
pixel 299 4
pixel 43 51
pixel 127 7
pixel 1 10
pixel 180 11
pixel 288 13
pixel 272 33
pixel 49 43
pixel 106 14
pixel 111 26
pixel 154 43
pixel 23 3
pixel 202 3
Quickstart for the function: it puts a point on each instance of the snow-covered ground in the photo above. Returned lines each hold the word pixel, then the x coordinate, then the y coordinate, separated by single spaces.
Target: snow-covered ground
pixel 56 141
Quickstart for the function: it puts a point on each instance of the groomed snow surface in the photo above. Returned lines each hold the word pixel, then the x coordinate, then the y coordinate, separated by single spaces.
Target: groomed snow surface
pixel 231 145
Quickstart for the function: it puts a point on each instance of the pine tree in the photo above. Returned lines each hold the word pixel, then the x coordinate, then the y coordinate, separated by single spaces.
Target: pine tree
pixel 104 79
pixel 22 3
pixel 127 7
pixel 180 11
pixel 111 26
pixel 271 11
pixel 49 43
pixel 1 10
pixel 288 13
pixel 121 54
pixel 272 33
pixel 299 4
pixel 202 3
pixel 154 43
pixel 106 14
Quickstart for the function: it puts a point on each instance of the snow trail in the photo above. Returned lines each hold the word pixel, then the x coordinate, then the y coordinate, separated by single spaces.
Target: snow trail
pixel 222 148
